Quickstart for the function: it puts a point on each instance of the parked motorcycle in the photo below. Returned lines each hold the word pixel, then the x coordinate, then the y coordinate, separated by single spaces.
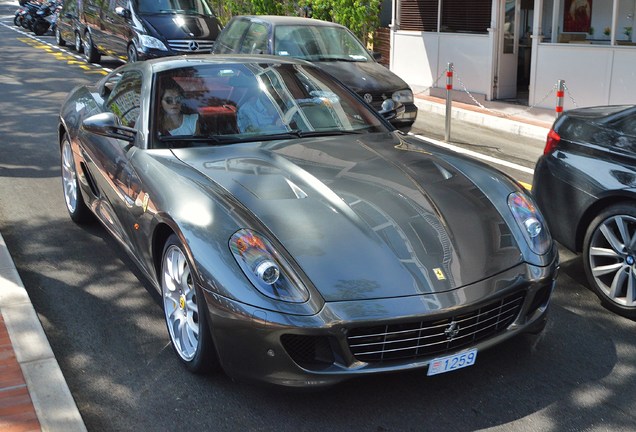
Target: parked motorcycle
pixel 25 15
pixel 45 16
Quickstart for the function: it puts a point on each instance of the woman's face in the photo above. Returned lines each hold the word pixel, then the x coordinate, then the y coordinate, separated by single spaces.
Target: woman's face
pixel 171 102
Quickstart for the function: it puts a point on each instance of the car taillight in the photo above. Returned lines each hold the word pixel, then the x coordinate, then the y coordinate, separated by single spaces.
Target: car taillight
pixel 552 142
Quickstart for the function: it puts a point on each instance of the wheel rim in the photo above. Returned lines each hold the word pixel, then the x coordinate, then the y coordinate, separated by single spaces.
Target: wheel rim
pixel 69 177
pixel 612 258
pixel 78 42
pixel 88 47
pixel 132 54
pixel 180 303
pixel 58 36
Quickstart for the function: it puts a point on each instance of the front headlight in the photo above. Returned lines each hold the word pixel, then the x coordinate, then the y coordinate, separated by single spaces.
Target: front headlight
pixel 268 271
pixel 151 42
pixel 531 222
pixel 403 96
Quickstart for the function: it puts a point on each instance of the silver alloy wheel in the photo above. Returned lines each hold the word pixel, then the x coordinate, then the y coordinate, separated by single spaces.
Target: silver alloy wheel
pixel 180 303
pixel 79 46
pixel 88 42
pixel 69 177
pixel 612 259
pixel 58 37
pixel 132 54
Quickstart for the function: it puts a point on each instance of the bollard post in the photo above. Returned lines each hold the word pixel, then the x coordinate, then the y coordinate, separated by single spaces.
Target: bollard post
pixel 449 101
pixel 560 93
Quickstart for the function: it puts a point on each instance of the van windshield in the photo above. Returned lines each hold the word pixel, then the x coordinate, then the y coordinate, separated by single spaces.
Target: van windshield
pixel 198 7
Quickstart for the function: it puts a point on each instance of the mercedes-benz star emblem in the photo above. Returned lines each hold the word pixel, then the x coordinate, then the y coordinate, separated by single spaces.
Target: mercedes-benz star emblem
pixel 193 45
pixel 452 330
pixel 368 98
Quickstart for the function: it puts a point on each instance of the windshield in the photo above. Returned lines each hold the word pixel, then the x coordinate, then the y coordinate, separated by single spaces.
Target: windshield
pixel 199 7
pixel 318 43
pixel 228 103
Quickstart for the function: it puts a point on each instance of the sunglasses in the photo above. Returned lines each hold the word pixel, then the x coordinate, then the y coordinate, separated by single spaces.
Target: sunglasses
pixel 172 100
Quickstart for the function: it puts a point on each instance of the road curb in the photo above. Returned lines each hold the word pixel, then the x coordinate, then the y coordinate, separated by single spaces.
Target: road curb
pixel 52 400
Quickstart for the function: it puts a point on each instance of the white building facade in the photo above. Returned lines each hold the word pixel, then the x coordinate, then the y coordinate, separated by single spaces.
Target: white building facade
pixel 519 49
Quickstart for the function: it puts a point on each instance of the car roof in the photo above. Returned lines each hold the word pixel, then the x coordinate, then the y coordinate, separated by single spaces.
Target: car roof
pixel 288 20
pixel 175 62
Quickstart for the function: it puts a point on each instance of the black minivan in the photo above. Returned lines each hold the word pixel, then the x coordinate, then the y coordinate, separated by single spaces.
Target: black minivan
pixel 134 30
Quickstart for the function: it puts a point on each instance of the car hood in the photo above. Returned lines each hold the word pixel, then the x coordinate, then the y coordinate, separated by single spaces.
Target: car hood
pixel 183 26
pixel 363 77
pixel 366 217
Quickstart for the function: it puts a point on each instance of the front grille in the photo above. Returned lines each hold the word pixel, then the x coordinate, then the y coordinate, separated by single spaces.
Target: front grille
pixel 308 351
pixel 191 46
pixel 395 342
pixel 377 98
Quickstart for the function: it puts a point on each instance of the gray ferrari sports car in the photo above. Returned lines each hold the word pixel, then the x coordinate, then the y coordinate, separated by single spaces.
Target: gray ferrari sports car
pixel 296 237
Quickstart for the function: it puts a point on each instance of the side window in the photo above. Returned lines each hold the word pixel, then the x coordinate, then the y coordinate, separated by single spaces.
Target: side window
pixel 231 37
pixel 255 41
pixel 124 99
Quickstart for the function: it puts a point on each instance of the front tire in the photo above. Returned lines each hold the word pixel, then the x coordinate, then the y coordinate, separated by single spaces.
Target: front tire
pixel 185 310
pixel 90 50
pixel 133 56
pixel 609 258
pixel 40 28
pixel 77 208
pixel 59 40
pixel 79 45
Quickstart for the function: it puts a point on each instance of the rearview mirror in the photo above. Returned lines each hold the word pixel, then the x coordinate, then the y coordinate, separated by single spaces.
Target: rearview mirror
pixel 108 125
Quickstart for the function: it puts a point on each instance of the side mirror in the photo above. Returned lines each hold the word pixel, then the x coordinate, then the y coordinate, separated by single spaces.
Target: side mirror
pixel 376 55
pixel 123 12
pixel 108 125
pixel 390 110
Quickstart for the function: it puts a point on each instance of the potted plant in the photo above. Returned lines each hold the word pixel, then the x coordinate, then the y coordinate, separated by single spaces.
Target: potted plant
pixel 628 32
pixel 607 31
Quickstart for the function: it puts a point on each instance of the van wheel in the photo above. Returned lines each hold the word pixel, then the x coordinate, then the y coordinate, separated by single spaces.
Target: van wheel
pixel 59 40
pixel 79 46
pixel 132 53
pixel 90 50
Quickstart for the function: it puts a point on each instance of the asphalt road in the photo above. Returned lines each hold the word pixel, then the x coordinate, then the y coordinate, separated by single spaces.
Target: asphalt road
pixel 107 330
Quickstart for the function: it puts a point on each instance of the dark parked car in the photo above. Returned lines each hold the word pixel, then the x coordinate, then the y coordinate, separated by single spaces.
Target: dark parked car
pixel 141 29
pixel 296 237
pixel 69 27
pixel 585 184
pixel 330 46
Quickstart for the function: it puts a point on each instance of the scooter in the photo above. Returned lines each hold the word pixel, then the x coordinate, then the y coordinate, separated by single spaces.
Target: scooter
pixel 25 15
pixel 44 17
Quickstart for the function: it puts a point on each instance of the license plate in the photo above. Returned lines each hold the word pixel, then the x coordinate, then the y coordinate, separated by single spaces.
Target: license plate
pixel 452 362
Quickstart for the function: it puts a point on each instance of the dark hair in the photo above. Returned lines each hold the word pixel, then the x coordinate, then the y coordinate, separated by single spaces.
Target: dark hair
pixel 170 84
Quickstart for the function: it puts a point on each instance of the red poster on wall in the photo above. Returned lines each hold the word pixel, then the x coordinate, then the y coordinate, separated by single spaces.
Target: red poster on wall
pixel 577 16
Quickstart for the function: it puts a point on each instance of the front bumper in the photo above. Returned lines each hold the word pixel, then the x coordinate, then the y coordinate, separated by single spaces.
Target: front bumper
pixel 405 118
pixel 317 351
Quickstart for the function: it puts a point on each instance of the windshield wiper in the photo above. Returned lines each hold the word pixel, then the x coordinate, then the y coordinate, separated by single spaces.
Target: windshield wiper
pixel 332 58
pixel 304 134
pixel 210 140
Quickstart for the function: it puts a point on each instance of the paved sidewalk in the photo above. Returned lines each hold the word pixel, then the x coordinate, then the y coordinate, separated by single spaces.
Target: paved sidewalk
pixel 33 392
pixel 507 117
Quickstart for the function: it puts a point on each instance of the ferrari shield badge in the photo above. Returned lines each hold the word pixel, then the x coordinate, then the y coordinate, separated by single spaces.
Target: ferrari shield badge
pixel 439 274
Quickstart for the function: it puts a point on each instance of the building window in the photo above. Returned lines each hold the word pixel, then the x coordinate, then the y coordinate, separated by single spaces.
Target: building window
pixel 418 15
pixel 465 16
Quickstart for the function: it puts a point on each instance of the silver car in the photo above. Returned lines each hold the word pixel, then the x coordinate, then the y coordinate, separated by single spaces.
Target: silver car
pixel 295 236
